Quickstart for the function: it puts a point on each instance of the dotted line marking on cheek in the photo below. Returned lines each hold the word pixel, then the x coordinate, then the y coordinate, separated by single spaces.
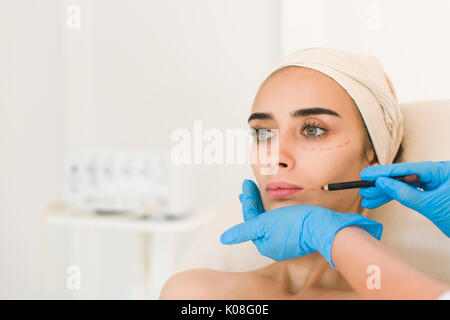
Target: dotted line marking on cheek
pixel 330 148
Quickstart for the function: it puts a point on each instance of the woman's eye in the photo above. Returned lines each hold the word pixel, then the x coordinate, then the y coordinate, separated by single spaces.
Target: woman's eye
pixel 312 131
pixel 262 134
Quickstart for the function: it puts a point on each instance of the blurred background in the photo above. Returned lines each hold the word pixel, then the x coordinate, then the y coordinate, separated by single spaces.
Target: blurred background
pixel 93 90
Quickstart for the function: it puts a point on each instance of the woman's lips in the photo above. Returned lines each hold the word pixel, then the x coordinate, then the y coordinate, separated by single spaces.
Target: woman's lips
pixel 281 190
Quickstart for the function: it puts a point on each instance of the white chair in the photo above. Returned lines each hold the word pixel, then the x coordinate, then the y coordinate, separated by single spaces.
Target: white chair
pixel 409 234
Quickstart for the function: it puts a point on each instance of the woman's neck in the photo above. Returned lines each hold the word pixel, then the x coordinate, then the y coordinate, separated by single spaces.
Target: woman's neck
pixel 304 271
pixel 310 270
pixel 292 274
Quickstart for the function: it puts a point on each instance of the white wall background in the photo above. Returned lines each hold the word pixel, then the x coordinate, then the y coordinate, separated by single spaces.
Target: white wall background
pixel 32 138
pixel 408 37
pixel 135 71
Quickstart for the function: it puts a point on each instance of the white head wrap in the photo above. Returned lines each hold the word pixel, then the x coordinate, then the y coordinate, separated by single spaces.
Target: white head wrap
pixel 363 77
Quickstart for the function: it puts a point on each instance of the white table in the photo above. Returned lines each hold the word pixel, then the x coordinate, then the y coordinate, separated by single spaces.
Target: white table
pixel 158 237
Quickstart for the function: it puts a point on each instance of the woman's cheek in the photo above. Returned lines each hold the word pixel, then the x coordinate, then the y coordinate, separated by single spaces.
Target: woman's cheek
pixel 316 170
pixel 313 169
pixel 330 166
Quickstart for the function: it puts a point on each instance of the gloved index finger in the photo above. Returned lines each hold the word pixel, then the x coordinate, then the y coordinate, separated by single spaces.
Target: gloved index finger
pixel 245 231
pixel 425 170
pixel 371 192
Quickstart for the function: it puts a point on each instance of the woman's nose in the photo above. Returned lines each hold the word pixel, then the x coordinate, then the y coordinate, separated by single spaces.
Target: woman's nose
pixel 280 152
pixel 283 164
pixel 286 160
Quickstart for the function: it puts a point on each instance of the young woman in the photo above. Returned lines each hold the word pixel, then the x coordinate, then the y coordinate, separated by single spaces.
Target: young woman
pixel 325 135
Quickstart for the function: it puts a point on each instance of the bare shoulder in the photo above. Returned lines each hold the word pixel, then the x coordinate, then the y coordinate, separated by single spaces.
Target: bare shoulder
pixel 196 284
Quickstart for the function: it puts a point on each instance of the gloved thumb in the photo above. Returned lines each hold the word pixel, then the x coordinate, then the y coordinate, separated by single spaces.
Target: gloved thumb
pixel 400 191
pixel 251 200
pixel 250 230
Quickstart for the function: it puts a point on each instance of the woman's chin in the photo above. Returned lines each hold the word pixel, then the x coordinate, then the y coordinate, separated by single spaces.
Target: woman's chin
pixel 275 204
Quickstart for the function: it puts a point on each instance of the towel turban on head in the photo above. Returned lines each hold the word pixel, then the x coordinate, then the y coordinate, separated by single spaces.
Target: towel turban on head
pixel 363 77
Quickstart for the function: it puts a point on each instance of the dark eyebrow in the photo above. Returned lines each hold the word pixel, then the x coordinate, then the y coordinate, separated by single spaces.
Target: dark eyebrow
pixel 260 115
pixel 313 111
pixel 298 113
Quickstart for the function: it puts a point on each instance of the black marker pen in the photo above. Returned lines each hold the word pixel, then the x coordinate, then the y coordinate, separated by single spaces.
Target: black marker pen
pixel 410 178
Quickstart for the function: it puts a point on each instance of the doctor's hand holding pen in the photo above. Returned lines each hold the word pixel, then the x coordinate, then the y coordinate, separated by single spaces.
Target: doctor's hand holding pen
pixel 433 202
pixel 294 231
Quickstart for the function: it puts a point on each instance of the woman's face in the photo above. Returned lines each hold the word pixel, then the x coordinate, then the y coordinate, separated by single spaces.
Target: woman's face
pixel 321 140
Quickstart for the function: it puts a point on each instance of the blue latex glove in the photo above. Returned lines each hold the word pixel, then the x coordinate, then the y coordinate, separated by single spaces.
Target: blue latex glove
pixel 433 202
pixel 294 231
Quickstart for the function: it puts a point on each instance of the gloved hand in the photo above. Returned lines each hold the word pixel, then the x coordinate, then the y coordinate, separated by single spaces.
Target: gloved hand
pixel 433 202
pixel 293 231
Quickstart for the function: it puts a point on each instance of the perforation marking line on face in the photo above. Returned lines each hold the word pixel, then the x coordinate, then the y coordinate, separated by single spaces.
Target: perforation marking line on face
pixel 329 148
pixel 323 149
